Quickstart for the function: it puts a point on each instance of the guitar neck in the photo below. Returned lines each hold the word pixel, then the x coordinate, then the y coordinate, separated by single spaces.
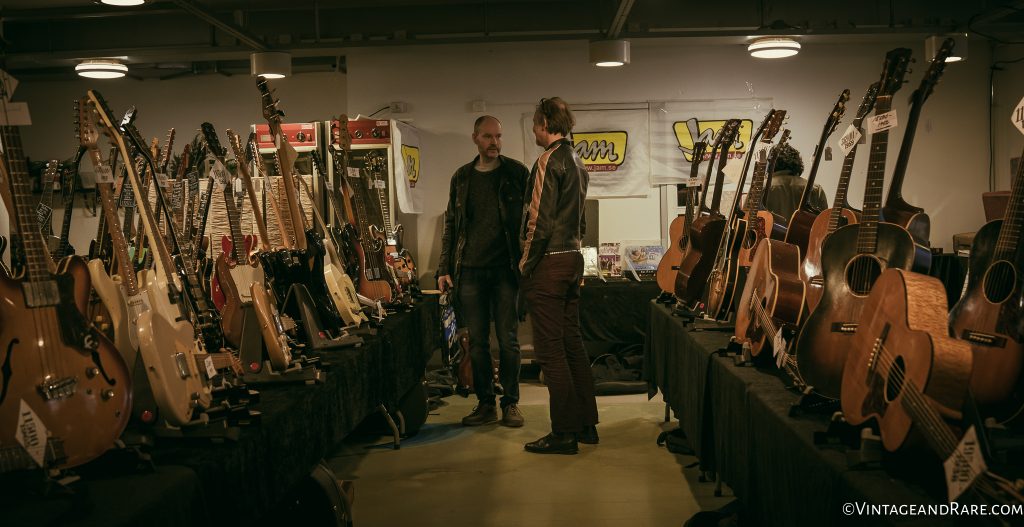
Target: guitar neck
pixel 69 206
pixel 723 159
pixel 243 169
pixel 895 196
pixel 117 241
pixel 867 239
pixel 844 184
pixel 284 162
pixel 707 176
pixel 37 262
pixel 1009 233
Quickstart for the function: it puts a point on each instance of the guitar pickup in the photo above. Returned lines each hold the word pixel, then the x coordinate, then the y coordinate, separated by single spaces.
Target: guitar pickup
pixel 182 363
pixel 985 339
pixel 846 328
pixel 41 294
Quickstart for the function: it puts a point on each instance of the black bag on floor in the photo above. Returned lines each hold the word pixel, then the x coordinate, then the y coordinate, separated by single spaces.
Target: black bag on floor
pixel 619 372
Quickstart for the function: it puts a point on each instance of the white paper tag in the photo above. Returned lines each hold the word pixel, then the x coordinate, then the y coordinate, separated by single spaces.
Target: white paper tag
pixel 1017 117
pixel 693 182
pixel 380 183
pixel 882 122
pixel 31 434
pixel 849 140
pixel 161 179
pixel 103 174
pixel 211 372
pixel 965 465
pixel 779 349
pixel 239 188
pixel 353 172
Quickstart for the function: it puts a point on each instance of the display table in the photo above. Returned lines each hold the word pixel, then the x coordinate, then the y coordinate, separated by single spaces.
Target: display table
pixel 201 482
pixel 613 313
pixel 737 419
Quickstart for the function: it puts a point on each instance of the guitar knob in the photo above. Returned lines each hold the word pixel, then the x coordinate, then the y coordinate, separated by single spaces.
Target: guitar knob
pixel 92 372
pixel 107 395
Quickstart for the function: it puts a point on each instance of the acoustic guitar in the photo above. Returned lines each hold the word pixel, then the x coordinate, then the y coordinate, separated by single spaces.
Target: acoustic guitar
pixel 758 224
pixel 905 372
pixel 706 230
pixel 853 257
pixel 679 229
pixel 57 372
pixel 990 315
pixel 896 209
pixel 831 219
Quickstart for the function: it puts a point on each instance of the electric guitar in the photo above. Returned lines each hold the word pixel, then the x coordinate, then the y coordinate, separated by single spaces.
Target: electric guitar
pixel 59 376
pixel 896 209
pixel 990 315
pixel 853 257
pixel 678 230
pixel 44 209
pixel 167 339
pixel 64 247
pixel 905 372
pixel 399 259
pixel 831 219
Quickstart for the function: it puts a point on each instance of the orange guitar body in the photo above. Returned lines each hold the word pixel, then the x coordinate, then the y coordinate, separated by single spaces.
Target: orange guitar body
pixel 810 269
pixel 668 268
pixel 52 350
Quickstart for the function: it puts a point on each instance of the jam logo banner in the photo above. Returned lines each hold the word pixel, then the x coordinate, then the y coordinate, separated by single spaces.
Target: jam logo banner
pixel 408 176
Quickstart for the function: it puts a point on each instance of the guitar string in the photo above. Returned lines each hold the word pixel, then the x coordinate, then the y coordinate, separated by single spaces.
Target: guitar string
pixel 790 364
pixel 943 434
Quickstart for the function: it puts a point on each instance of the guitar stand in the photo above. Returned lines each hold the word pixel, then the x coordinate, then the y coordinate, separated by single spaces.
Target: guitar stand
pixel 666 298
pixel 299 301
pixel 396 432
pixel 217 424
pixel 839 434
pixel 743 358
pixel 253 355
pixel 812 402
pixel 688 315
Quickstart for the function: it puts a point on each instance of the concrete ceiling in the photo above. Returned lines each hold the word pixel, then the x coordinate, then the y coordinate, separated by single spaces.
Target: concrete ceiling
pixel 166 39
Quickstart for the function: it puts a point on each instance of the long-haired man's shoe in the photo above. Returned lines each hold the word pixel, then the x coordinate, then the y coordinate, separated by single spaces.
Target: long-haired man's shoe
pixel 554 443
pixel 588 435
pixel 483 414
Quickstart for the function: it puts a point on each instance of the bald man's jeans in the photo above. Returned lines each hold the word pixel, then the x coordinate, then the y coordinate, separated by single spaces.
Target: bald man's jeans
pixel 552 298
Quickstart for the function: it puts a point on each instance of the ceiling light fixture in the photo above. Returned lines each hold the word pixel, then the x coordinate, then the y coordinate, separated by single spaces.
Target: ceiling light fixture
pixel 123 3
pixel 773 47
pixel 271 64
pixel 609 53
pixel 101 69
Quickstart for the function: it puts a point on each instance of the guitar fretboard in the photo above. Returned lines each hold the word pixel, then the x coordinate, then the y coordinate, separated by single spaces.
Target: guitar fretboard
pixel 1009 234
pixel 36 263
pixel 867 239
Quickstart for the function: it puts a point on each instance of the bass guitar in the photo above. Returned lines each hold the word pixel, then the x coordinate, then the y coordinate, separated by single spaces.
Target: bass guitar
pixel 678 230
pixel 706 231
pixel 896 209
pixel 59 376
pixel 853 257
pixel 831 219
pixel 905 372
pixel 990 315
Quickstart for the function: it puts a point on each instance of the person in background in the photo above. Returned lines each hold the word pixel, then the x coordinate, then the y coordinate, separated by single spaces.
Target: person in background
pixel 552 267
pixel 783 196
pixel 479 256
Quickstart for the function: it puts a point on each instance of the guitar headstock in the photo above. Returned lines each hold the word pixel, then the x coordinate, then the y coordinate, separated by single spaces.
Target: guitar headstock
pixel 236 145
pixel 85 128
pixel 764 124
pixel 212 141
pixel 270 110
pixel 698 150
pixel 318 163
pixel 868 102
pixel 99 108
pixel 344 141
pixel 935 69
pixel 774 123
pixel 50 173
pixel 168 150
pixel 837 112
pixel 894 69
pixel 727 135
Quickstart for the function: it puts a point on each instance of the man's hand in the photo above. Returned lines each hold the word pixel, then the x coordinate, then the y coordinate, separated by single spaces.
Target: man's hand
pixel 444 283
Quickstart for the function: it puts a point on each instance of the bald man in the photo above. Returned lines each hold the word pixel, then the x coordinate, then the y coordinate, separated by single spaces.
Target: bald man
pixel 479 263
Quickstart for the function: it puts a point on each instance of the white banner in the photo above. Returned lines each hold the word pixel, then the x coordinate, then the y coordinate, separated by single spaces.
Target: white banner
pixel 677 125
pixel 614 143
pixel 405 145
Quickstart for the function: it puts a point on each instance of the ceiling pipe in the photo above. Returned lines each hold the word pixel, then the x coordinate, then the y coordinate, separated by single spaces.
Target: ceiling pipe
pixel 243 35
pixel 625 6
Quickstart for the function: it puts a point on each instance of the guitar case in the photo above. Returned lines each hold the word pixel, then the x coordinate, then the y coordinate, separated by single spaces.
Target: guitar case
pixel 319 500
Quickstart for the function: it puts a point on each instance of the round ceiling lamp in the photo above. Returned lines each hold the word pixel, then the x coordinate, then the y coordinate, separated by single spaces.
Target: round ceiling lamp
pixel 271 64
pixel 773 47
pixel 609 53
pixel 123 2
pixel 101 69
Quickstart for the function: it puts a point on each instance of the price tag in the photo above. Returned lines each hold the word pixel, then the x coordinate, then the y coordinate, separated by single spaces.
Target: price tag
pixel 779 349
pixel 31 433
pixel 103 174
pixel 882 122
pixel 161 179
pixel 193 185
pixel 127 195
pixel 177 194
pixel 43 213
pixel 693 182
pixel 380 184
pixel 1017 117
pixel 211 372
pixel 849 140
pixel 965 465
pixel 353 172
pixel 239 188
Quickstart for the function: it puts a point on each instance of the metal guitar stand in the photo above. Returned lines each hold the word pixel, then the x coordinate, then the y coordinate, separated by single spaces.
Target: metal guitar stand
pixel 253 355
pixel 318 338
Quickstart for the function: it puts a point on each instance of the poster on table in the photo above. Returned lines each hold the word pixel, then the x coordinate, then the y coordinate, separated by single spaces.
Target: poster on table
pixel 405 146
pixel 677 125
pixel 613 142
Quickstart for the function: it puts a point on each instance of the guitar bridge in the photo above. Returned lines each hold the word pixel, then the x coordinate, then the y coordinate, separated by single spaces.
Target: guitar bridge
pixel 41 294
pixel 846 328
pixel 985 339
pixel 181 361
pixel 818 280
pixel 52 389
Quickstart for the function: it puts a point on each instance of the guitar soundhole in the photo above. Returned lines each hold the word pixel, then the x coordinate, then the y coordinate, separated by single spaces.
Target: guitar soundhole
pixel 749 239
pixel 894 380
pixel 1000 281
pixel 861 274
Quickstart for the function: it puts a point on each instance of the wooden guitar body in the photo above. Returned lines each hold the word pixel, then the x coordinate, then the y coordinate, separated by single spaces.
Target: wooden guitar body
pixel 668 268
pixel 71 376
pixel 848 276
pixel 901 339
pixel 810 268
pixel 990 317
pixel 798 230
pixel 773 282
pixel 722 281
pixel 231 293
pixel 699 258
pixel 278 351
pixel 343 291
pixel 167 340
pixel 123 315
pixel 919 225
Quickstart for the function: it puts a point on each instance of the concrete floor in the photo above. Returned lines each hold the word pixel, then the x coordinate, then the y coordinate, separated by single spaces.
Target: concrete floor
pixel 449 475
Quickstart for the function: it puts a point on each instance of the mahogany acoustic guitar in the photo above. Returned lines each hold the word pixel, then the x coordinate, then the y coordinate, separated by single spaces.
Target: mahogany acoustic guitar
pixel 678 230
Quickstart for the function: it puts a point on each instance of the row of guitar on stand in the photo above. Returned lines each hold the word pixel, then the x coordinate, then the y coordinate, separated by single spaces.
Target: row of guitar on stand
pixel 150 337
pixel 837 298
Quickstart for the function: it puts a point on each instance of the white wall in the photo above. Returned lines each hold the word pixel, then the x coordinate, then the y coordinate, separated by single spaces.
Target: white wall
pixel 946 175
pixel 1008 92
pixel 184 104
